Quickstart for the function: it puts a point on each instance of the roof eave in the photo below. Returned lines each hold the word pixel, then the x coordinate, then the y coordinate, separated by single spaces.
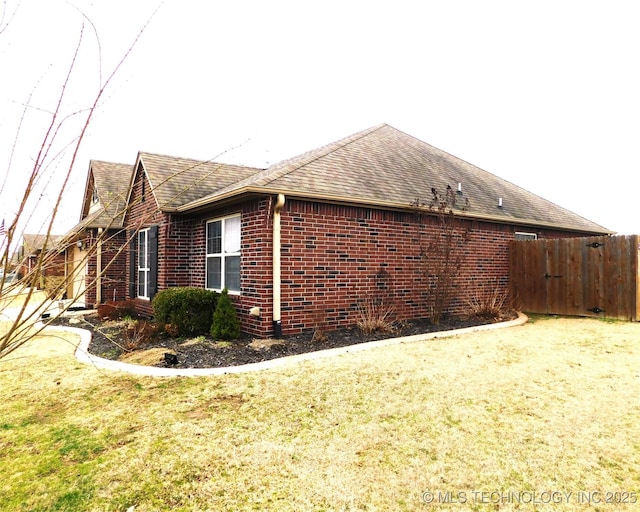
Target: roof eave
pixel 390 205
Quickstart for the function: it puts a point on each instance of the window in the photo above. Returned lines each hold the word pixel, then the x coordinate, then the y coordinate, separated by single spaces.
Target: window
pixel 526 236
pixel 144 268
pixel 143 263
pixel 223 254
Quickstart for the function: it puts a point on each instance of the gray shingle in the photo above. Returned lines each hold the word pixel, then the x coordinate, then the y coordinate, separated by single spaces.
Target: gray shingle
pixel 177 181
pixel 111 181
pixel 386 167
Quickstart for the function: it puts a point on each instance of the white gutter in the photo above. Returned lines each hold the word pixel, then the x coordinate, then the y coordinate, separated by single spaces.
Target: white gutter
pixel 390 205
pixel 277 325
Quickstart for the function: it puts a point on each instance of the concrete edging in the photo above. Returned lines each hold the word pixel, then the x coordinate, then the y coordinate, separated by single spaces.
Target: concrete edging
pixel 82 353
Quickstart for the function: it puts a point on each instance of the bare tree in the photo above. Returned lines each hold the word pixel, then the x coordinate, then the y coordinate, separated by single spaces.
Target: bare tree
pixel 18 312
pixel 442 238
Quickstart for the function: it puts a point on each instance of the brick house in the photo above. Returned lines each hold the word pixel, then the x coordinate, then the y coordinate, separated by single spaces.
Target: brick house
pixel 96 246
pixel 304 242
pixel 43 258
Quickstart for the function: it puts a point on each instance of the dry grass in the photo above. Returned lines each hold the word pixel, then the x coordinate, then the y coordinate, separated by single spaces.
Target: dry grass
pixel 265 344
pixel 550 406
pixel 492 303
pixel 149 357
pixel 375 316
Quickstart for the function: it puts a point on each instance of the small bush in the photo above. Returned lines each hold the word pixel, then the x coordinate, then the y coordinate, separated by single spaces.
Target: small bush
pixel 117 310
pixel 492 303
pixel 320 323
pixel 188 309
pixel 226 325
pixel 54 286
pixel 140 333
pixel 319 335
pixel 375 316
pixel 172 330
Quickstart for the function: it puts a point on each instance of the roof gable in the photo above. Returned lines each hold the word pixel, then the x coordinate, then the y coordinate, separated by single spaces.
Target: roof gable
pixel 177 181
pixel 34 243
pixel 108 185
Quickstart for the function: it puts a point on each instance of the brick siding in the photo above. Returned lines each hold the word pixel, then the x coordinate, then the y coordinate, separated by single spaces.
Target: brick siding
pixel 114 267
pixel 336 257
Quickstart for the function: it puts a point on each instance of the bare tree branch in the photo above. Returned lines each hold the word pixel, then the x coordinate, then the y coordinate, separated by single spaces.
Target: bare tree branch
pixel 15 298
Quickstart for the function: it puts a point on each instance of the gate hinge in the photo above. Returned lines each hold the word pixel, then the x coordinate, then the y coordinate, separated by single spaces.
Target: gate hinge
pixel 549 276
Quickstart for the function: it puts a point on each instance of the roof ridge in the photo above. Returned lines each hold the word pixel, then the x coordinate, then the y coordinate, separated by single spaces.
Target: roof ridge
pixel 197 161
pixel 177 180
pixel 317 153
pixel 109 162
pixel 271 174
pixel 173 157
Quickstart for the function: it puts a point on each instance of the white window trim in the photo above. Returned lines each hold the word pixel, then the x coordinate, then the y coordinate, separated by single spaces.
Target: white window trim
pixel 526 235
pixel 222 255
pixel 147 268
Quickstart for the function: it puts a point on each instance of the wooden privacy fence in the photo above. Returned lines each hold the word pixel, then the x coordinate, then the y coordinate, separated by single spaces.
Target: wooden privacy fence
pixel 593 276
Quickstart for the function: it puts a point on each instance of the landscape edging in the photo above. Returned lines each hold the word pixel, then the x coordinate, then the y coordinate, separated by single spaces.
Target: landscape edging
pixel 82 352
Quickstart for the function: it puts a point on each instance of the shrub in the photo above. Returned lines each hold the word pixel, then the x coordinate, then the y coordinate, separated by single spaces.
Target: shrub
pixel 375 316
pixel 188 309
pixel 491 303
pixel 319 330
pixel 172 330
pixel 139 333
pixel 226 325
pixel 117 310
pixel 54 286
pixel 319 335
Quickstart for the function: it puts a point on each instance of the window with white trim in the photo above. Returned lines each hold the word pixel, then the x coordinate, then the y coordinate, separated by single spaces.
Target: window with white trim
pixel 520 235
pixel 144 267
pixel 223 254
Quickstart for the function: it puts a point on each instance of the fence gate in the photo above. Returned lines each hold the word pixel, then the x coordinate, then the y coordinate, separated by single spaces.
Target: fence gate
pixel 593 276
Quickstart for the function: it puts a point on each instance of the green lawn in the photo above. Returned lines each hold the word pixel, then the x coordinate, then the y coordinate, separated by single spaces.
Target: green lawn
pixel 546 412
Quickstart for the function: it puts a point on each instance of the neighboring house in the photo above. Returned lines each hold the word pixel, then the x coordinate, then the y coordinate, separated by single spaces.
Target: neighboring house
pixel 97 246
pixel 303 243
pixel 46 255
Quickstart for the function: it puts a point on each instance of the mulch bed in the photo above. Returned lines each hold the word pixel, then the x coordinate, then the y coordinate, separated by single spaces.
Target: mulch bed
pixel 204 352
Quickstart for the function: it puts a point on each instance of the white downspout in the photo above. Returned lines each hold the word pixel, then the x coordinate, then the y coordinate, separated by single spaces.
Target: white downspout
pixel 99 268
pixel 68 282
pixel 277 320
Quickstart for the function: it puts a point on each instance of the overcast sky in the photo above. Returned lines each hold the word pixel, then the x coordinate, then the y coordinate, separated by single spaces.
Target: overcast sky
pixel 545 94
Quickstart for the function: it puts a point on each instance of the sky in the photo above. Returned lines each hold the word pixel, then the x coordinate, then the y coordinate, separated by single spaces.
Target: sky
pixel 544 94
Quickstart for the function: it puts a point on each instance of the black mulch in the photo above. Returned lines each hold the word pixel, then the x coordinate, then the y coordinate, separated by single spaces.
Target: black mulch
pixel 108 341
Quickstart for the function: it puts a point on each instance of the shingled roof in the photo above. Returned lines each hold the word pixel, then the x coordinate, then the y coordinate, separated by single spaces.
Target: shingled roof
pixel 177 181
pixel 32 244
pixel 385 167
pixel 111 184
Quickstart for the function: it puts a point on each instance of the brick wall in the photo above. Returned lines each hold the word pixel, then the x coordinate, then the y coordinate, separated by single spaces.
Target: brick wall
pixel 256 267
pixel 114 266
pixel 181 252
pixel 335 257
pixel 143 212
